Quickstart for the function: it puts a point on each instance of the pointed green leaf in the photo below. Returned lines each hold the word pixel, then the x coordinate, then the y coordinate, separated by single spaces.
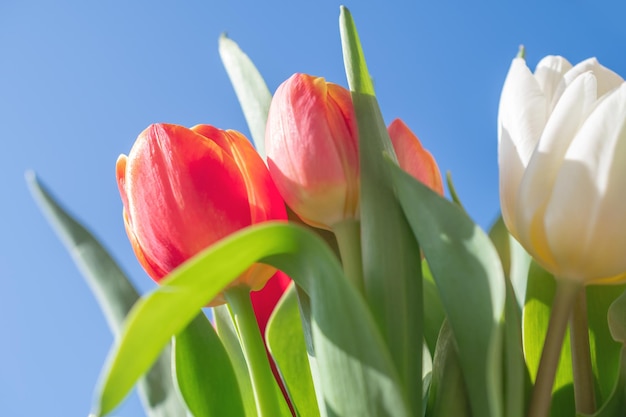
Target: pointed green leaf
pixel 355 368
pixel 285 340
pixel 252 92
pixel 204 374
pixel 391 257
pixel 468 273
pixel 114 293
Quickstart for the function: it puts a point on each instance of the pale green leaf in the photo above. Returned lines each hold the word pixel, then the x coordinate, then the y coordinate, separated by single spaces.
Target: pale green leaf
pixel 252 92
pixel 115 295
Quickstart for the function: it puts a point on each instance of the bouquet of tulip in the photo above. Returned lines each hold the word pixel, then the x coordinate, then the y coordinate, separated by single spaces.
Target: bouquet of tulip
pixel 343 283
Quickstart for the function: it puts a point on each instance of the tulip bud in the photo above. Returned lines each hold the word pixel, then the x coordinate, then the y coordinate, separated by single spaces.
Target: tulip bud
pixel 562 141
pixel 311 142
pixel 184 189
pixel 312 151
pixel 413 158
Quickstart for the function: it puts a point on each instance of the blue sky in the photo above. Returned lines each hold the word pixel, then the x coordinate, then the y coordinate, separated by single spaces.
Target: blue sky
pixel 80 80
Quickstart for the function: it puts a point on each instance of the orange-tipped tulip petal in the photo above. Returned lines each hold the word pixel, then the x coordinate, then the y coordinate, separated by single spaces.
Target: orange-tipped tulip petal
pixel 413 158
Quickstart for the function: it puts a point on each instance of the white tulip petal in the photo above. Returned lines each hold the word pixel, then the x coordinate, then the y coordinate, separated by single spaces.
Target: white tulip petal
pixel 607 79
pixel 521 118
pixel 585 216
pixel 544 166
pixel 549 73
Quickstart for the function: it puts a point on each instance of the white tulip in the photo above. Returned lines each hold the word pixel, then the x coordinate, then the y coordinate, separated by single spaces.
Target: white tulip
pixel 562 159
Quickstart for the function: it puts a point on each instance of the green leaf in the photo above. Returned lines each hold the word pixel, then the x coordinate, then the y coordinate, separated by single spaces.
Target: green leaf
pixel 605 350
pixel 204 374
pixel 114 293
pixel 515 260
pixel 448 391
pixel 252 92
pixel 285 340
pixel 468 273
pixel 391 257
pixel 434 313
pixel 453 194
pixel 227 331
pixel 616 402
pixel 516 378
pixel 355 368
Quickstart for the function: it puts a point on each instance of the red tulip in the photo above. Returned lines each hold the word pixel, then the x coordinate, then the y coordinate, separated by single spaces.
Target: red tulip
pixel 184 189
pixel 311 142
pixel 413 158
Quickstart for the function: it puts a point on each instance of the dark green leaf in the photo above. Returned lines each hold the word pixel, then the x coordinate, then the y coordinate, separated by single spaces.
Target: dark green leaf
pixel 115 295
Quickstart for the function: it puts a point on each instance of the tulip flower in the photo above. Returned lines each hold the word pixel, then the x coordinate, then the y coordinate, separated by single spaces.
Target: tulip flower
pixel 562 142
pixel 561 151
pixel 185 189
pixel 312 148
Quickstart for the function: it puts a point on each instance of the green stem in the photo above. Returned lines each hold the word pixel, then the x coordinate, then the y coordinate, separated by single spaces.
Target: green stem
pixel 566 293
pixel 263 382
pixel 348 234
pixel 581 357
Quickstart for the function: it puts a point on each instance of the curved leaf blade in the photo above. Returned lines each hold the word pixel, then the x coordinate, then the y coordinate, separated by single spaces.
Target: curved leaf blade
pixel 468 273
pixel 356 370
pixel 114 293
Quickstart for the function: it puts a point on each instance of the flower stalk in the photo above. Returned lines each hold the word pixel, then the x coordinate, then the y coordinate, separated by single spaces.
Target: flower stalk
pixel 567 291
pixel 263 382
pixel 581 357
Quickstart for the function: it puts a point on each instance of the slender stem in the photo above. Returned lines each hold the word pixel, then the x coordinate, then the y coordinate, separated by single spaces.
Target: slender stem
pixel 566 293
pixel 581 357
pixel 263 382
pixel 348 234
